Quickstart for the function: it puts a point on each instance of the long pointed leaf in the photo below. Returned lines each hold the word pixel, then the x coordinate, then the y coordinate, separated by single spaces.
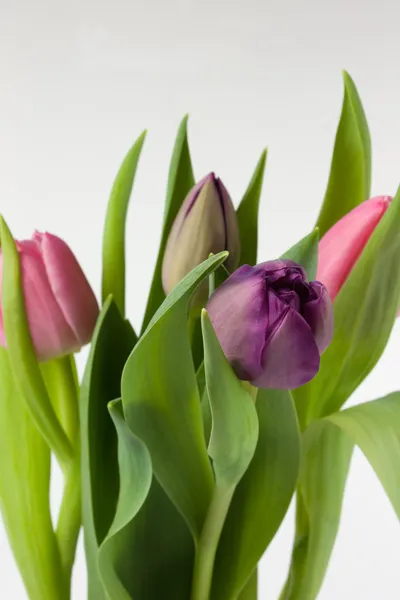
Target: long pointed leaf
pixel 180 181
pixel 247 214
pixel 350 176
pixel 113 280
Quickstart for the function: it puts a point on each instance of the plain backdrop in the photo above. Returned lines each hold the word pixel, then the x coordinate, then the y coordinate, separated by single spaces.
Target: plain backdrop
pixel 80 80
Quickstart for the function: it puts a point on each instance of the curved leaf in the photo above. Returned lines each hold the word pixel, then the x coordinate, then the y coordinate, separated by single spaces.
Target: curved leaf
pixel 247 214
pixel 327 448
pixel 180 181
pixel 136 474
pixel 27 375
pixel 162 405
pixel 113 279
pixel 262 497
pixel 350 176
pixel 112 342
pixel 149 542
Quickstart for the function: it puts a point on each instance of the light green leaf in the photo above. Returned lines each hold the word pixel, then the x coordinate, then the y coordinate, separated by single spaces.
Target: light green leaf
pixel 250 590
pixel 305 253
pixel 365 311
pixel 247 214
pixel 113 280
pixel 180 181
pixel 24 494
pixel 262 496
pixel 162 405
pixel 112 342
pixel 327 448
pixel 27 376
pixel 350 177
pixel 234 432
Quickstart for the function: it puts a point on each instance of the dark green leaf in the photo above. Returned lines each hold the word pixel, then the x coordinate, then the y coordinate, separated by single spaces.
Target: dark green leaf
pixel 247 214
pixel 148 553
pixel 365 311
pixel 113 281
pixel 112 342
pixel 24 493
pixel 350 176
pixel 180 181
pixel 162 405
pixel 305 253
pixel 262 496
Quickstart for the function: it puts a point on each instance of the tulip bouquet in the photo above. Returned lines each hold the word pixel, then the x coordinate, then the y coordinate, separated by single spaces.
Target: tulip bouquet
pixel 183 446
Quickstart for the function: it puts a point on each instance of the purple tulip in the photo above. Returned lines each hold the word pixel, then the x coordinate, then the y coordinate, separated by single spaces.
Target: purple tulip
pixel 272 324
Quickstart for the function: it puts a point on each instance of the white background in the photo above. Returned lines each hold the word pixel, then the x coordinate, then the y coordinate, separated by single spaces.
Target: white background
pixel 79 82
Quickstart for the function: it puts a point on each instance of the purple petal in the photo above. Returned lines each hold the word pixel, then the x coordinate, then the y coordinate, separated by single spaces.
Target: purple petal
pixel 291 356
pixel 318 313
pixel 238 312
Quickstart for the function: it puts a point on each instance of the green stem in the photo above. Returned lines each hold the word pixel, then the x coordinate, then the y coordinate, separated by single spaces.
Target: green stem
pixel 69 520
pixel 62 384
pixel 208 543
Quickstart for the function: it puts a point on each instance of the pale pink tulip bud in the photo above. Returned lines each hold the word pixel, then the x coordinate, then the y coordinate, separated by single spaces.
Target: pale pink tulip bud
pixel 342 245
pixel 60 304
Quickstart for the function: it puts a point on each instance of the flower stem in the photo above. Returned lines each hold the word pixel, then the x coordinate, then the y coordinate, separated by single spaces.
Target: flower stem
pixel 69 520
pixel 208 543
pixel 299 552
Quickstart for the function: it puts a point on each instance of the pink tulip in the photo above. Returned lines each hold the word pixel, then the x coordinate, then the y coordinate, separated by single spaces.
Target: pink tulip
pixel 343 244
pixel 60 304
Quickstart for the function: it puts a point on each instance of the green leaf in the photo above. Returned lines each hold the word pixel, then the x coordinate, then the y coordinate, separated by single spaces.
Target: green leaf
pixel 326 455
pixel 28 378
pixel 180 181
pixel 350 177
pixel 250 590
pixel 112 342
pixel 365 311
pixel 135 480
pixel 327 448
pixel 234 432
pixel 148 536
pixel 162 405
pixel 262 496
pixel 305 253
pixel 113 280
pixel 24 494
pixel 247 214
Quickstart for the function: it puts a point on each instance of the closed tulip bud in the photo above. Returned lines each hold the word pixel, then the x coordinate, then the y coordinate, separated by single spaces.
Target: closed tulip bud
pixel 272 324
pixel 206 223
pixel 342 245
pixel 60 305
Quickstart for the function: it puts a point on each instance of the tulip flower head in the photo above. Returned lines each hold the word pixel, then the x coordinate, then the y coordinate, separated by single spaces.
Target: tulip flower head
pixel 272 324
pixel 342 245
pixel 60 304
pixel 206 223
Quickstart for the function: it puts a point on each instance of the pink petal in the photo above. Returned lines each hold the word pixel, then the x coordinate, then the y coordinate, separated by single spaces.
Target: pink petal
pixel 342 245
pixel 69 285
pixel 50 332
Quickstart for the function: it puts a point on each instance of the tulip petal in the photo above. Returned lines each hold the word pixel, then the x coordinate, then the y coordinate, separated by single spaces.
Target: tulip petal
pixel 319 315
pixel 69 285
pixel 50 332
pixel 238 312
pixel 290 357
pixel 342 245
pixel 232 238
